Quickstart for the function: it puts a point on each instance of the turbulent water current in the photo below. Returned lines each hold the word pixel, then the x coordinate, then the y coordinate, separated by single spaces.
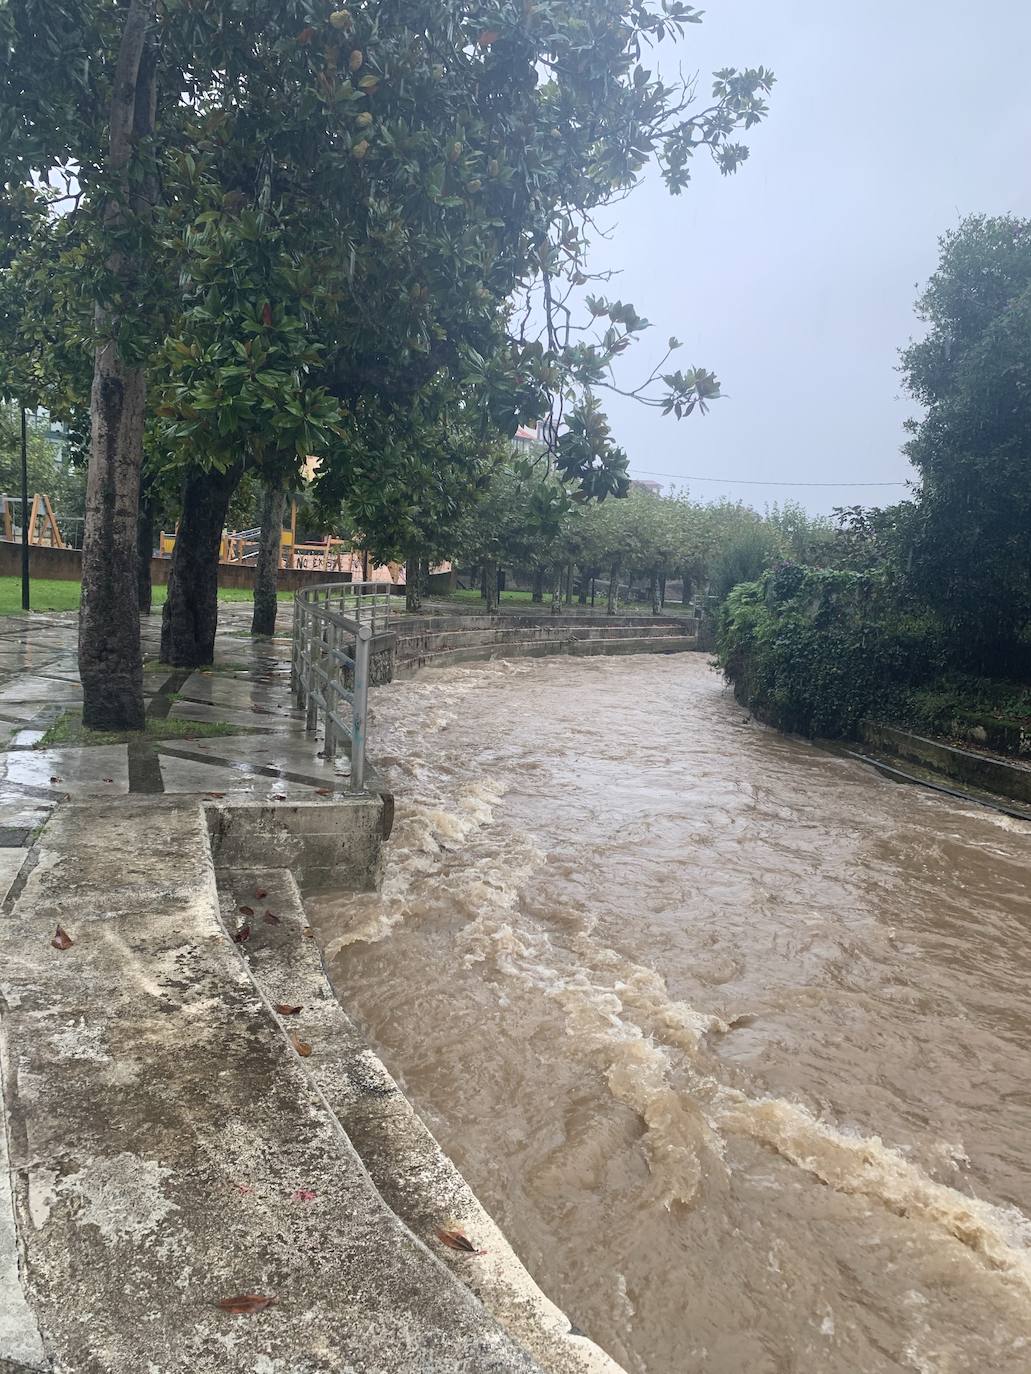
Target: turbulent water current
pixel 731 1035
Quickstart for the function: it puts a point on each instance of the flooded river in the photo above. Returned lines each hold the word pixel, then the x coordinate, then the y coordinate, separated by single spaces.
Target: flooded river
pixel 732 1036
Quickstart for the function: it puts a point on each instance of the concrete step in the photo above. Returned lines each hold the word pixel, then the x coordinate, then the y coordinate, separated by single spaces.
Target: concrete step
pixel 433 641
pixel 170 1149
pixel 460 620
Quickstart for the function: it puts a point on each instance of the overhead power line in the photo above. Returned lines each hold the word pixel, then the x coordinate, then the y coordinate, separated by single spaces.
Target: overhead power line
pixel 759 482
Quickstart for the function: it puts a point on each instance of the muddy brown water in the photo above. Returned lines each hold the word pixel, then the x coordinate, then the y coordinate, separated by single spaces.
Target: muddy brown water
pixel 731 1035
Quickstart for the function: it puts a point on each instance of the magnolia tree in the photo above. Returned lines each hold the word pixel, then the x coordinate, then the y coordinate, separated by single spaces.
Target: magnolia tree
pixel 284 209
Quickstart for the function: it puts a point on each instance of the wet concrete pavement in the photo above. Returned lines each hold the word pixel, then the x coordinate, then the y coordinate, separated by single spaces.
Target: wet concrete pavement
pixel 267 758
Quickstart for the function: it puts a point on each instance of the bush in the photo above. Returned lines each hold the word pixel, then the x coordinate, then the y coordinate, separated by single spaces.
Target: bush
pixel 816 651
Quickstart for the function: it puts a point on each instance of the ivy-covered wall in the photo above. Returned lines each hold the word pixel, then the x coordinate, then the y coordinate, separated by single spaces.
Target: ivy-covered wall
pixel 817 651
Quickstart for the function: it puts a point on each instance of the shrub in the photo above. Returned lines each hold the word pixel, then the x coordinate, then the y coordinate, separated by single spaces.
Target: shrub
pixel 816 651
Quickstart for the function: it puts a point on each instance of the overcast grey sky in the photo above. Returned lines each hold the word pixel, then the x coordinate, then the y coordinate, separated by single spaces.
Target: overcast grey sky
pixel 794 280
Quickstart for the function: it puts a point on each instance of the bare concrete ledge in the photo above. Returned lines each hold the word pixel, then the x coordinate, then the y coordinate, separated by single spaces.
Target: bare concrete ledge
pixel 994 775
pixel 327 847
pixel 169 1151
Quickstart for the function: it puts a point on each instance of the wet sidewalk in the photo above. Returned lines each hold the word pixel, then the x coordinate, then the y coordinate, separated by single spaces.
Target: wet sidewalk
pixel 261 752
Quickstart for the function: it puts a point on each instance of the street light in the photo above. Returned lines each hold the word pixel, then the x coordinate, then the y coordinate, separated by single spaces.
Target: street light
pixel 24 514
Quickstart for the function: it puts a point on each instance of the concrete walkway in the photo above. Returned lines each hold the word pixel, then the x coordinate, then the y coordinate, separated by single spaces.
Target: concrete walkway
pixel 179 1189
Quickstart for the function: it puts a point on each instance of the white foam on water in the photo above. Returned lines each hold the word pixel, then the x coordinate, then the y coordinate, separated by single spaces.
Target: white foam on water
pixel 426 832
pixel 684 1127
pixel 1011 824
pixel 864 1166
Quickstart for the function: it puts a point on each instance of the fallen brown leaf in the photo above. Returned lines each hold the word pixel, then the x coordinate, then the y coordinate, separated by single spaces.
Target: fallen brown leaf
pixel 260 892
pixel 245 1304
pixel 242 933
pixel 54 778
pixel 245 910
pixel 308 933
pixel 278 796
pixel 107 779
pixel 301 1046
pixel 62 940
pixel 285 1010
pixel 214 794
pixel 455 1240
pixel 271 919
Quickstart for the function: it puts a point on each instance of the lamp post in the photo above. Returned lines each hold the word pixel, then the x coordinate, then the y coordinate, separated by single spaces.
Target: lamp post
pixel 24 514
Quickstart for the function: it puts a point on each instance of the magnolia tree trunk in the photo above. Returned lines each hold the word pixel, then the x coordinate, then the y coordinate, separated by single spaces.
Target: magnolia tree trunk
pixel 144 552
pixel 110 662
pixel 569 584
pixel 190 616
pixel 586 576
pixel 537 595
pixel 610 609
pixel 490 584
pixel 413 583
pixel 656 602
pixel 556 589
pixel 266 569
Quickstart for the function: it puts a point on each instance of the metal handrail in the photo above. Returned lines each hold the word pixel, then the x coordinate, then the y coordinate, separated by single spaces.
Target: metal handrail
pixel 334 626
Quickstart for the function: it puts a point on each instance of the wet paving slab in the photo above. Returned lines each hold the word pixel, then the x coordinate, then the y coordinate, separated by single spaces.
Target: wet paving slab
pixel 265 753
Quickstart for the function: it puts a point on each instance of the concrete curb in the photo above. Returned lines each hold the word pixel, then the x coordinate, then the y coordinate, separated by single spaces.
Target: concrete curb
pixel 411 1172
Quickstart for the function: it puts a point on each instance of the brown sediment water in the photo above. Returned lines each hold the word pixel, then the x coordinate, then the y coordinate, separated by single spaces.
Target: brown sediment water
pixel 730 1034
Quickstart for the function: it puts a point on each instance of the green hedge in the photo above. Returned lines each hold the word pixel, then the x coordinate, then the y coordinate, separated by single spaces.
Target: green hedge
pixel 816 651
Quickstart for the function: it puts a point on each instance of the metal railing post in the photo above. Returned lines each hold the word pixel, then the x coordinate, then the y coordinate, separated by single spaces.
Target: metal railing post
pixel 360 705
pixel 332 695
pixel 327 674
pixel 295 650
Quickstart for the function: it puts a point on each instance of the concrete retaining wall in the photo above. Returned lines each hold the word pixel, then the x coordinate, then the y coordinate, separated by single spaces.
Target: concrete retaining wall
pixel 327 848
pixel 437 640
pixel 976 770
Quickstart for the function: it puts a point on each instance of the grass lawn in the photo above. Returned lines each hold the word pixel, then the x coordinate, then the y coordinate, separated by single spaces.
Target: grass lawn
pixel 48 595
pixel 470 594
pixel 70 730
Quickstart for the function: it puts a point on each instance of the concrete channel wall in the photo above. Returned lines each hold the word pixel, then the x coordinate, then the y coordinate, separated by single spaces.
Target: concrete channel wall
pixel 963 765
pixel 439 639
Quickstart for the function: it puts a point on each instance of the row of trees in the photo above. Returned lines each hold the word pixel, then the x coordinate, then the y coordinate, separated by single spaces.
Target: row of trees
pixel 643 538
pixel 239 234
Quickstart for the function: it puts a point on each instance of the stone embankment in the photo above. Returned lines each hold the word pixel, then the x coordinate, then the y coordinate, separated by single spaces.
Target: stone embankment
pixel 440 637
pixel 979 775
